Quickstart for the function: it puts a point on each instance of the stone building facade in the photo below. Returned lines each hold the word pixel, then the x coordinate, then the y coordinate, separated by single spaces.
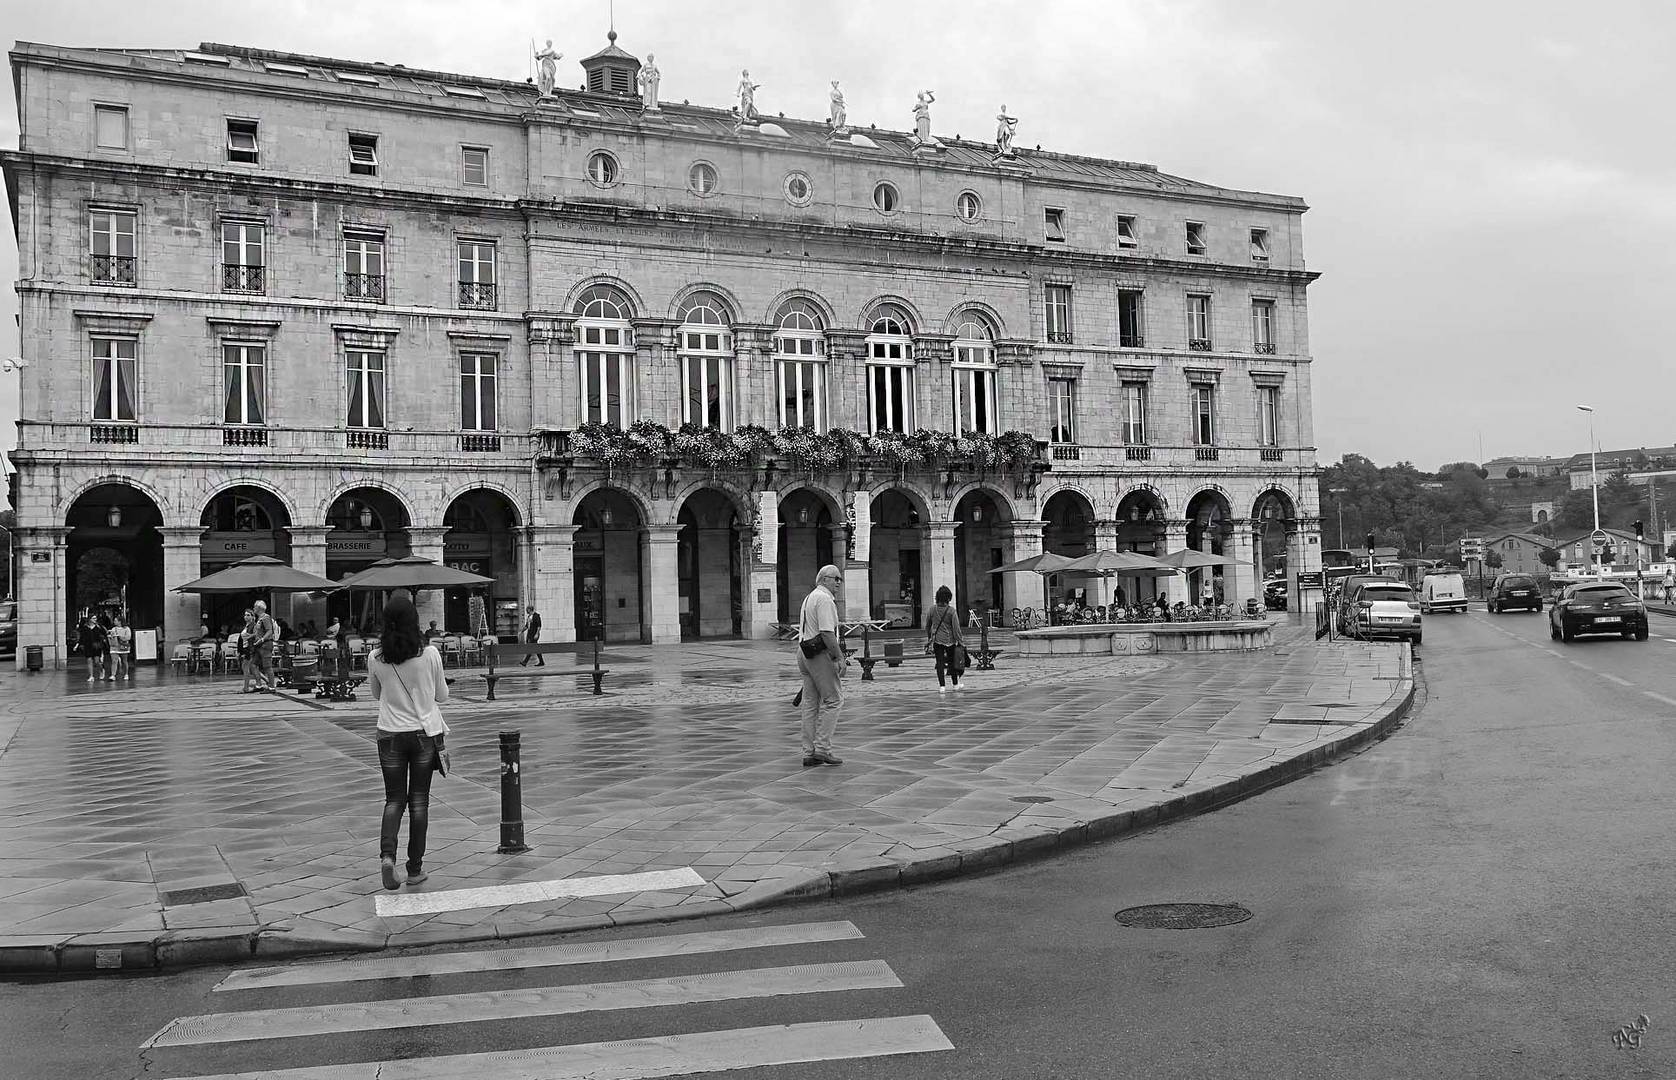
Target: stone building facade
pixel 337 311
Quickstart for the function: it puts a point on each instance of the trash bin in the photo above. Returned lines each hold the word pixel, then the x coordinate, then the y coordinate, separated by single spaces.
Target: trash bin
pixel 893 654
pixel 32 658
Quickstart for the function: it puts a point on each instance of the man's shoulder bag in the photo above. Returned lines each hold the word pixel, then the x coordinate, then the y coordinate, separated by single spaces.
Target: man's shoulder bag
pixel 812 647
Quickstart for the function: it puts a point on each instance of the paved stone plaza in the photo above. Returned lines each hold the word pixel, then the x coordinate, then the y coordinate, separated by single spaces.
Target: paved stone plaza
pixel 114 799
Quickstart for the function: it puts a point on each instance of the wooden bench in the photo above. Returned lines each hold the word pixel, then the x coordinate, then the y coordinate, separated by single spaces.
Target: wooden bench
pixel 538 648
pixel 895 655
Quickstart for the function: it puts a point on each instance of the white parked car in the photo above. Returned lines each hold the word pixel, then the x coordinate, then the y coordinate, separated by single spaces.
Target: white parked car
pixel 1382 609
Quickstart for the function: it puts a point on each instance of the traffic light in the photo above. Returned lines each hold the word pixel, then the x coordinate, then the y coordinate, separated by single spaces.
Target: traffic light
pixel 1639 533
pixel 1370 542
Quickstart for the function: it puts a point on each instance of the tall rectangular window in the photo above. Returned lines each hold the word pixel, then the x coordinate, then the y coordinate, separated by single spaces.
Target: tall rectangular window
pixel 707 391
pixel 1062 399
pixel 477 392
pixel 1055 225
pixel 363 155
pixel 115 375
pixel 974 400
pixel 1195 238
pixel 891 390
pixel 110 237
pixel 800 377
pixel 110 127
pixel 1132 418
pixel 366 389
pixel 474 166
pixel 607 387
pixel 1058 310
pixel 1262 326
pixel 477 275
pixel 244 392
pixel 1126 237
pixel 1198 322
pixel 363 266
pixel 1204 414
pixel 243 256
pixel 1131 318
pixel 1268 416
pixel 1259 245
pixel 242 142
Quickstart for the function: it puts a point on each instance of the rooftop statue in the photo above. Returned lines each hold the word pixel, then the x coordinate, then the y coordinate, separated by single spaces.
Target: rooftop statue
pixel 922 117
pixel 547 73
pixel 839 116
pixel 648 79
pixel 1004 131
pixel 747 96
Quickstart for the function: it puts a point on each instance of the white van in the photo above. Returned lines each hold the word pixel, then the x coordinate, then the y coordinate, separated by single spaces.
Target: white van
pixel 1442 592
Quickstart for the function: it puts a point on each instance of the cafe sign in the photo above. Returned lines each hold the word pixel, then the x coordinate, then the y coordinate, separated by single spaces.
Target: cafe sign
pixel 236 545
pixel 355 545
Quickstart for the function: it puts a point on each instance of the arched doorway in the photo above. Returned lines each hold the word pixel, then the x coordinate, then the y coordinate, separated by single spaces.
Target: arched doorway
pixel 1271 513
pixel 114 557
pixel 364 526
pixel 1069 532
pixel 896 549
pixel 608 578
pixel 482 539
pixel 805 546
pixel 1140 528
pixel 240 522
pixel 981 543
pixel 709 567
pixel 1210 528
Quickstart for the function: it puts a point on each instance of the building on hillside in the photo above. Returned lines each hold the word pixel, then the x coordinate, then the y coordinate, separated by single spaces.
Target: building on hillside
pixel 338 311
pixel 1576 549
pixel 1527 466
pixel 1541 512
pixel 1640 466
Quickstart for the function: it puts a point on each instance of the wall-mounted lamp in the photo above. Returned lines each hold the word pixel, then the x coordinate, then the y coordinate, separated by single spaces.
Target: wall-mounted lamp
pixel 977 513
pixel 1134 513
pixel 366 517
pixel 605 518
pixel 803 516
pixel 113 517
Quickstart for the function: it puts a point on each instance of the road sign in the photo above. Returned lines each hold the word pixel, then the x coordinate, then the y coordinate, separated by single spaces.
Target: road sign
pixel 1310 579
pixel 1598 538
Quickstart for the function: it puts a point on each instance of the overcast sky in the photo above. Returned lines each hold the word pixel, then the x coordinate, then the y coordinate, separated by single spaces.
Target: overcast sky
pixel 1490 182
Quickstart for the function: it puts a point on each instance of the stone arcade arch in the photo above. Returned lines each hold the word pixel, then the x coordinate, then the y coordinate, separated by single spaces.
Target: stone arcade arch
pixel 609 568
pixel 983 540
pixel 114 556
pixel 710 560
pixel 1069 532
pixel 482 538
pixel 363 525
pixel 1210 529
pixel 1140 528
pixel 901 585
pixel 805 545
pixel 239 522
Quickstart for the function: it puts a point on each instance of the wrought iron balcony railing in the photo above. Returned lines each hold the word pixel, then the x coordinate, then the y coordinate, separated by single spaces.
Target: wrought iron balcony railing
pixel 113 269
pixel 477 295
pixel 1199 344
pixel 1131 341
pixel 364 287
pixel 1263 348
pixel 243 279
pixel 1060 337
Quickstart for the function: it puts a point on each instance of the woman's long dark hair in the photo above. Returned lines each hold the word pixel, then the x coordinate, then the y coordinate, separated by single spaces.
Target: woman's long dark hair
pixel 400 640
pixel 943 594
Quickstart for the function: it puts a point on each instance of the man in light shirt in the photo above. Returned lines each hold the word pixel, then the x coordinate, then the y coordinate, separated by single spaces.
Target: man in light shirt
pixel 822 697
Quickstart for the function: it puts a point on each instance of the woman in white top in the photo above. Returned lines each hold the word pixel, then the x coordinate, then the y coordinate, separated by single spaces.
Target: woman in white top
pixel 405 676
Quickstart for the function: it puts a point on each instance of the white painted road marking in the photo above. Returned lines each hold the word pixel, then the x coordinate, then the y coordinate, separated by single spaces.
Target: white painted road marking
pixel 350 1016
pixel 1660 697
pixel 596 952
pixel 642 1059
pixel 532 892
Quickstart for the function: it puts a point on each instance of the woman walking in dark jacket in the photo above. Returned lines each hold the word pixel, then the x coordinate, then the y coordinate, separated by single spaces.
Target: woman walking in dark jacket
pixel 93 643
pixel 943 639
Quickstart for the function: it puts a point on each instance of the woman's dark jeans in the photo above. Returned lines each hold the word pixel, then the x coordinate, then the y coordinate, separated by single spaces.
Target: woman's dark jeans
pixel 407 759
pixel 944 653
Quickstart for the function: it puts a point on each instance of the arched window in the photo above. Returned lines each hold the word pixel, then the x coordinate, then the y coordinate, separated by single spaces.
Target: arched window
pixel 890 371
pixel 974 376
pixel 705 347
pixel 605 356
pixel 800 364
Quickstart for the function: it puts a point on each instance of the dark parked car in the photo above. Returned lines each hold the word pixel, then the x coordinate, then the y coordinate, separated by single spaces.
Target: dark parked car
pixel 1597 607
pixel 1511 591
pixel 8 627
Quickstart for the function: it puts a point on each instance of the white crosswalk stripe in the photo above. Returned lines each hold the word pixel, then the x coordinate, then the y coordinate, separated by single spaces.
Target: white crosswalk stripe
pixel 266 1033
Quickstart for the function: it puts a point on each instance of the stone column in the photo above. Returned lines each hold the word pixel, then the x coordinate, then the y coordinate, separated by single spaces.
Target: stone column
pixel 660 612
pixel 1175 538
pixel 426 542
pixel 937 561
pixel 762 600
pixel 550 566
pixel 1303 555
pixel 40 588
pixel 1027 589
pixel 182 562
pixel 308 554
pixel 1242 578
pixel 1105 535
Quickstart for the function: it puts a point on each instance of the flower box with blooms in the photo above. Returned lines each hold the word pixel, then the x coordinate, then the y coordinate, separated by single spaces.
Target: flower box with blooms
pixel 651 440
pixel 1018 450
pixel 754 442
pixel 936 447
pixel 807 450
pixel 896 449
pixel 981 449
pixel 604 443
pixel 708 448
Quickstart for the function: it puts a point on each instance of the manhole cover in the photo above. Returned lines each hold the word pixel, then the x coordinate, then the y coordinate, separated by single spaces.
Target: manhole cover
pixel 203 894
pixel 1032 798
pixel 1182 916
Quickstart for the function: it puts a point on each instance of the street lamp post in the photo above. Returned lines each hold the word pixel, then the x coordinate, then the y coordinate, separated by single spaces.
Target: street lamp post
pixel 1594 487
pixel 1338 499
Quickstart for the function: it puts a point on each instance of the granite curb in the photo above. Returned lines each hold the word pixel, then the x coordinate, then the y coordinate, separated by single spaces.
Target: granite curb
pixel 275 942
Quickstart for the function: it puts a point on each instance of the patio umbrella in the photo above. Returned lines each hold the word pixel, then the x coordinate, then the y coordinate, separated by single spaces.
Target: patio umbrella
pixel 256 574
pixel 414 572
pixel 1045 563
pixel 1187 559
pixel 349 581
pixel 1119 562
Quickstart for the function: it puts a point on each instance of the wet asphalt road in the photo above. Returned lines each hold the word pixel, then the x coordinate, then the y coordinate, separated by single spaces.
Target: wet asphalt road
pixel 1487 893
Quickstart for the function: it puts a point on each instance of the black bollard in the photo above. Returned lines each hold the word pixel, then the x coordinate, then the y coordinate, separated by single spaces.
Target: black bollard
pixel 511 797
pixel 986 659
pixel 598 674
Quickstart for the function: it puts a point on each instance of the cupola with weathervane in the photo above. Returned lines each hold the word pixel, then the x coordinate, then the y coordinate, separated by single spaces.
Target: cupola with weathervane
pixel 611 70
